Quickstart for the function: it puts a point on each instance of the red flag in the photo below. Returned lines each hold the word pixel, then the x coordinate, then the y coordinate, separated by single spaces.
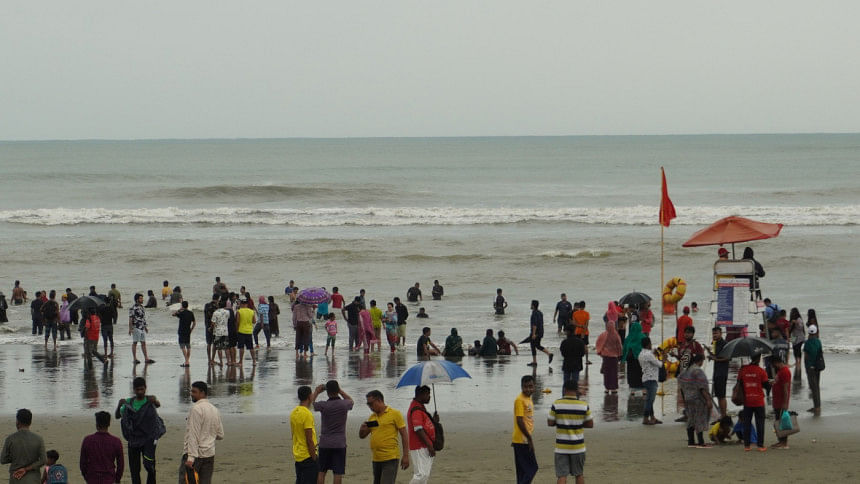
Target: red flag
pixel 667 210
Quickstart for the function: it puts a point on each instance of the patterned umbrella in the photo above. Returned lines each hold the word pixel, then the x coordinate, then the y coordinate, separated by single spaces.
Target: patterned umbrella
pixel 313 295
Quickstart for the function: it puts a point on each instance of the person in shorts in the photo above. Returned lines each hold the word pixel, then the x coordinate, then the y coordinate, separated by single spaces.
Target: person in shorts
pixel 187 323
pixel 220 332
pixel 246 319
pixel 570 415
pixel 137 328
pixel 332 443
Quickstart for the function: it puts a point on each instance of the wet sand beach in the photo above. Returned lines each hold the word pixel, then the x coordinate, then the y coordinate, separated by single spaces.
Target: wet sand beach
pixel 257 449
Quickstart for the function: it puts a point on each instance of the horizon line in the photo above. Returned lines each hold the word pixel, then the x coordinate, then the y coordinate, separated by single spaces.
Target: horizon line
pixel 793 133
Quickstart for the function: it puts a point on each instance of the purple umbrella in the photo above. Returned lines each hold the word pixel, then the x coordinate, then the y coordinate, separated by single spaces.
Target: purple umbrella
pixel 313 295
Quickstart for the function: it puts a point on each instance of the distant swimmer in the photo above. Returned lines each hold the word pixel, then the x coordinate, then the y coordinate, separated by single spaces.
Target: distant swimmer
pixel 19 295
pixel 114 293
pixel 438 291
pixel 422 313
pixel 165 290
pixel 3 307
pixel 500 304
pixel 414 294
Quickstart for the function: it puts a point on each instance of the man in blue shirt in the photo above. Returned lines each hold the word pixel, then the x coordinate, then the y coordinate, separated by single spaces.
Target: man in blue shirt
pixel 536 334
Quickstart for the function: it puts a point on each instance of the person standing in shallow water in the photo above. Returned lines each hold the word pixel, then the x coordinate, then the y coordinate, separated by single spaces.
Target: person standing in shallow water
pixel 499 304
pixel 137 328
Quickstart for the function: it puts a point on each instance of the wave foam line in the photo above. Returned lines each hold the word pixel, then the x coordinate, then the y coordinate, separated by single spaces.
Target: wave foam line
pixel 399 216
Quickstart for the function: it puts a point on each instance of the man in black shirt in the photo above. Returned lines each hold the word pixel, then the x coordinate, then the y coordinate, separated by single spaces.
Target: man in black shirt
pixel 351 315
pixel 721 368
pixel 438 291
pixel 70 297
pixel 563 312
pixel 402 315
pixel 572 350
pixel 186 326
pixel 500 304
pixel 36 312
pixel 425 347
pixel 414 294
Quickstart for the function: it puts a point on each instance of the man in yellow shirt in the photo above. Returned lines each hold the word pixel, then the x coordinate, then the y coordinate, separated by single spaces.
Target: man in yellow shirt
pixel 383 426
pixel 165 291
pixel 304 437
pixel 247 318
pixel 524 425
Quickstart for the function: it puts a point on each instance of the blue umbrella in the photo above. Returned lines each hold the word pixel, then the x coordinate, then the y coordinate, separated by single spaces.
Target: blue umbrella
pixel 432 372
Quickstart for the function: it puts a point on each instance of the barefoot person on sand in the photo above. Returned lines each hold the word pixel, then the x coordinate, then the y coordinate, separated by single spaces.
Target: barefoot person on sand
pixel 524 425
pixel 137 328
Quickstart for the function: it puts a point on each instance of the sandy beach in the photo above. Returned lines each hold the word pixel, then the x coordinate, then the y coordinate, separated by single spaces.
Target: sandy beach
pixel 257 449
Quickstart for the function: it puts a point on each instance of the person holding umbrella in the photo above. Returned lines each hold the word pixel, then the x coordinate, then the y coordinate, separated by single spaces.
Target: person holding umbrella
pixel 422 434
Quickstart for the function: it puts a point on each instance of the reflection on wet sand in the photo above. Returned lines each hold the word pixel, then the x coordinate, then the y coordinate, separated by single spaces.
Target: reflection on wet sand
pixel 39 379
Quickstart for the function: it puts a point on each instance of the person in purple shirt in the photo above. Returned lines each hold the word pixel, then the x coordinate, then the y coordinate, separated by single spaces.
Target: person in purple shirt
pixel 332 445
pixel 102 460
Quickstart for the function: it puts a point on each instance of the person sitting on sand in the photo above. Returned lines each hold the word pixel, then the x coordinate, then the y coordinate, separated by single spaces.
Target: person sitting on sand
pixel 721 431
pixel 453 344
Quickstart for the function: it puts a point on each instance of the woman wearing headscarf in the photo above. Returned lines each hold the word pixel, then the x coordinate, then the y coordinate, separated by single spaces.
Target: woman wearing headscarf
pixel 611 315
pixel 609 349
pixel 630 354
pixel 697 400
pixel 366 336
pixel 453 344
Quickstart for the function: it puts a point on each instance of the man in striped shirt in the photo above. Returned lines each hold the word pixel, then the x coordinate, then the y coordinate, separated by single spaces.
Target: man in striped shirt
pixel 570 415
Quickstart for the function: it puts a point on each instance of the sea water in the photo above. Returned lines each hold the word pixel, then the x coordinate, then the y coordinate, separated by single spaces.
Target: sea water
pixel 535 216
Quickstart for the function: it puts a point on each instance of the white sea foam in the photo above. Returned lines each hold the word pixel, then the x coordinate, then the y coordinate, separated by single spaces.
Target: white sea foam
pixel 399 216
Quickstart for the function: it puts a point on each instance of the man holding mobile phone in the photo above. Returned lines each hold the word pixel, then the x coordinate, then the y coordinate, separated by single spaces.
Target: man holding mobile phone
pixel 383 426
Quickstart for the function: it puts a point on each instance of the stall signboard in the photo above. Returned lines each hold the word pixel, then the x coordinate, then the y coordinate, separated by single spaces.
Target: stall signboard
pixel 733 297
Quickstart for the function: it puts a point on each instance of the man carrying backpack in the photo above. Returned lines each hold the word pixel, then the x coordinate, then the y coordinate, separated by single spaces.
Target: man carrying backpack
pixel 422 436
pixel 141 427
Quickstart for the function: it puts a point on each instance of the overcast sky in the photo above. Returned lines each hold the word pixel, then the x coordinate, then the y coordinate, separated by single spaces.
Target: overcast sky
pixel 277 68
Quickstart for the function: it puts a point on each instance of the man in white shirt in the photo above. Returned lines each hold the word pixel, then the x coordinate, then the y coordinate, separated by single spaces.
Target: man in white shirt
pixel 203 428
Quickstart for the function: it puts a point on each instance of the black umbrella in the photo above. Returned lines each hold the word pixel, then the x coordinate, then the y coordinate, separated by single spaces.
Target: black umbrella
pixel 85 302
pixel 634 299
pixel 748 347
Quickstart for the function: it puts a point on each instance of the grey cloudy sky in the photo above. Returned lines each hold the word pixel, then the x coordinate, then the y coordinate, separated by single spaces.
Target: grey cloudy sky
pixel 276 68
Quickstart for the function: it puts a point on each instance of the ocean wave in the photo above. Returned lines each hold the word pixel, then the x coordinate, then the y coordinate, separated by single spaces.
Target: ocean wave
pixel 400 216
pixel 580 254
pixel 271 193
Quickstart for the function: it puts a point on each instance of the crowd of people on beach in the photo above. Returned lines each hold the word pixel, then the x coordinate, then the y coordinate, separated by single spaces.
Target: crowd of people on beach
pixel 232 320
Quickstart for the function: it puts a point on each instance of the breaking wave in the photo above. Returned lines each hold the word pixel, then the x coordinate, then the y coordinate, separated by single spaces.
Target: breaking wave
pixel 400 216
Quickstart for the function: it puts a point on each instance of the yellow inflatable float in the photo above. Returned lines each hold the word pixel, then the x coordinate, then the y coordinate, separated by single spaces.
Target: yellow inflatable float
pixel 673 292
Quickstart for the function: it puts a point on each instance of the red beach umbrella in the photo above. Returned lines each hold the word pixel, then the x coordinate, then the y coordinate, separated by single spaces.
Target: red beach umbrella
pixel 733 229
